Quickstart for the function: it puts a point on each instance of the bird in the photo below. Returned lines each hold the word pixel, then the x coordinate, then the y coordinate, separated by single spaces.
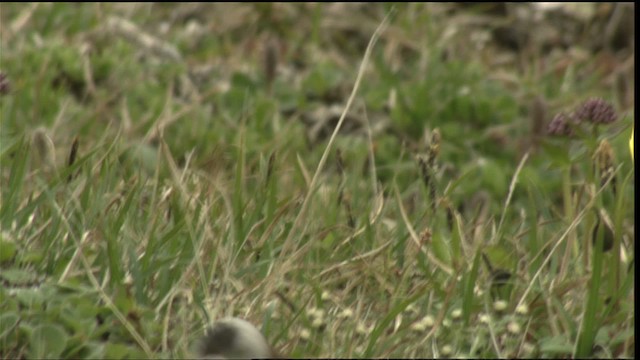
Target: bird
pixel 234 338
pixel 499 277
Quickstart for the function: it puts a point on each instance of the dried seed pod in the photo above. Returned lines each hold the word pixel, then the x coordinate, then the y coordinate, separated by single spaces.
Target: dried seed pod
pixel 270 164
pixel 44 147
pixel 270 62
pixel 73 153
pixel 537 115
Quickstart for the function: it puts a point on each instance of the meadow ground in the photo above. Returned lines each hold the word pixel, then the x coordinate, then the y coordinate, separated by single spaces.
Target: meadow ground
pixel 164 165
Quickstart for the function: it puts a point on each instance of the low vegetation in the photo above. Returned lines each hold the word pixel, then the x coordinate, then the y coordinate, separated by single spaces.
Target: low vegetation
pixel 166 165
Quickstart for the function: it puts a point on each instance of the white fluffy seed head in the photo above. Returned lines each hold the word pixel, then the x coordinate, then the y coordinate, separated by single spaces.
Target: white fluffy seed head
pixel 418 326
pixel 346 314
pixel 522 309
pixel 362 329
pixel 305 334
pixel 428 321
pixel 484 318
pixel 456 314
pixel 317 323
pixel 500 305
pixel 411 309
pixel 513 327
pixel 423 324
pixel 446 350
pixel 45 150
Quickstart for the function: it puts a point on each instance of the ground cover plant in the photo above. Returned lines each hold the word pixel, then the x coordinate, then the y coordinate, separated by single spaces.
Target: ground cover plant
pixel 164 165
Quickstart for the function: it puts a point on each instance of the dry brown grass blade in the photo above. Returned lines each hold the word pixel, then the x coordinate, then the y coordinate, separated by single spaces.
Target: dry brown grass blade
pixel 20 22
pixel 577 220
pixel 512 187
pixel 379 200
pixel 99 288
pixel 366 255
pixel 416 239
pixel 289 243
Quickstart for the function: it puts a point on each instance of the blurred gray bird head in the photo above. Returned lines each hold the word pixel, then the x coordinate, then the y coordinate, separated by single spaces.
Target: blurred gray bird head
pixel 233 338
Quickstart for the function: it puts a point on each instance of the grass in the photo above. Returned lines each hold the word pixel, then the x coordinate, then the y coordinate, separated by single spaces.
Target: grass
pixel 202 186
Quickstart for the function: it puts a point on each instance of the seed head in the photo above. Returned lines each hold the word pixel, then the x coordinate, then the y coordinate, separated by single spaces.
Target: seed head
pixel 326 296
pixel 346 314
pixel 305 334
pixel 522 309
pixel 44 147
pixel 317 323
pixel 363 329
pixel 513 328
pixel 500 305
pixel 456 314
pixel 425 322
pixel 446 350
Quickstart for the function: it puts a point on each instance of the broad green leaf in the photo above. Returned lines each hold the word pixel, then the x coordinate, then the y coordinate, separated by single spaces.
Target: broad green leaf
pixel 8 322
pixel 557 345
pixel 47 341
pixel 7 250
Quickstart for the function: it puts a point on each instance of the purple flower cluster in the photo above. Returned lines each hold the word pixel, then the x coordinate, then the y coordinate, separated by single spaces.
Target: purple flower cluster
pixel 595 110
pixel 560 125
